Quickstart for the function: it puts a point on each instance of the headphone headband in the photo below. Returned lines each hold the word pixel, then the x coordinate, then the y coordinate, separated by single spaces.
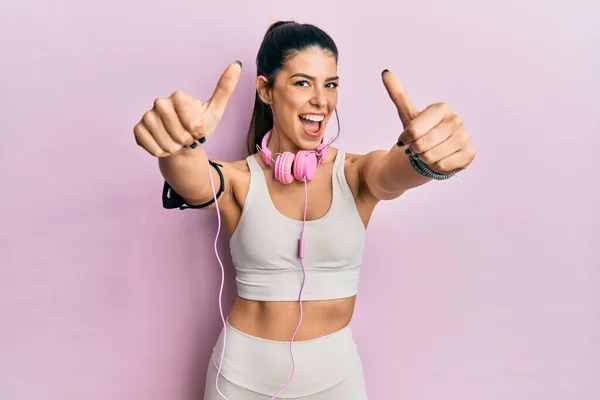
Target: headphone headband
pixel 267 156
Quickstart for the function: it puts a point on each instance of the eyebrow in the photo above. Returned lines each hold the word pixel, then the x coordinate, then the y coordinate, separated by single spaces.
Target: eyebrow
pixel 333 78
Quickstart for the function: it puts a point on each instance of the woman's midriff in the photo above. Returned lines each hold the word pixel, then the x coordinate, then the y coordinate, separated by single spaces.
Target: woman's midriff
pixel 277 320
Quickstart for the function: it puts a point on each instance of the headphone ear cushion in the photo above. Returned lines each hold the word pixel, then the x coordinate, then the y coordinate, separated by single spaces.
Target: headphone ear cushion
pixel 283 168
pixel 305 165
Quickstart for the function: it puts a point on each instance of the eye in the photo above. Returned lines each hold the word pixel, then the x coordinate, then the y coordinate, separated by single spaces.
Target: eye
pixel 305 83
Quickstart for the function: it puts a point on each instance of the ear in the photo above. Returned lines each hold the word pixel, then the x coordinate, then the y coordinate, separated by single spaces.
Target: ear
pixel 262 88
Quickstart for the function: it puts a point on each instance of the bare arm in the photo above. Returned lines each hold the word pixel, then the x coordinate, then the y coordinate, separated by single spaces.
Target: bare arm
pixel 388 174
pixel 187 173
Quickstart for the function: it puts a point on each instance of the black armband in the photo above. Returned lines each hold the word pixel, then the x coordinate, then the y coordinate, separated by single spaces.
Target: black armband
pixel 170 198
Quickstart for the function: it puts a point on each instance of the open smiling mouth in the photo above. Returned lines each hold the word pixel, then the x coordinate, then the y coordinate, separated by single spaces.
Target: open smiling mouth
pixel 312 123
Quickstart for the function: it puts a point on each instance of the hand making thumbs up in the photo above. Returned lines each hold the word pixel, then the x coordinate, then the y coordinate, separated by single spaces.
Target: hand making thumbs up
pixel 435 135
pixel 179 120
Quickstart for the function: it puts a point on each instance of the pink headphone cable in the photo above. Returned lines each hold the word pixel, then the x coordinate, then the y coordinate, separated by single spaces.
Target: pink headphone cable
pixel 212 185
pixel 300 254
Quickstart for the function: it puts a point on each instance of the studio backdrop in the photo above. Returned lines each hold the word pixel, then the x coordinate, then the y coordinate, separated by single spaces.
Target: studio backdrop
pixel 484 286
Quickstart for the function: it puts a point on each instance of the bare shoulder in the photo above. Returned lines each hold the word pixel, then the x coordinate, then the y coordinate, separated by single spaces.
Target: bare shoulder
pixel 232 169
pixel 358 160
pixel 354 170
pixel 351 163
pixel 237 178
pixel 233 166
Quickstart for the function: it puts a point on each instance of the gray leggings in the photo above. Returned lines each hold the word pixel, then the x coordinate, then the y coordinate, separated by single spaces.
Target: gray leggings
pixel 327 368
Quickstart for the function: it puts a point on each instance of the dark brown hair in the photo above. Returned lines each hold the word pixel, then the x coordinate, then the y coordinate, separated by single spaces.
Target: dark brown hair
pixel 282 40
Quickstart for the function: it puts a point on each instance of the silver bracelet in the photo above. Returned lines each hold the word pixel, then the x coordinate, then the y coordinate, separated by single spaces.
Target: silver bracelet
pixel 422 168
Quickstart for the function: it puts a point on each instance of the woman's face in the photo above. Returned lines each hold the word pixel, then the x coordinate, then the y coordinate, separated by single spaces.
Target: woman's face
pixel 303 98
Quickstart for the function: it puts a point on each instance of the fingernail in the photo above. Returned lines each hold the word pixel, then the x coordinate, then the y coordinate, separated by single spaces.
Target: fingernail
pixel 399 144
pixel 408 152
pixel 239 62
pixel 384 71
pixel 202 139
pixel 194 145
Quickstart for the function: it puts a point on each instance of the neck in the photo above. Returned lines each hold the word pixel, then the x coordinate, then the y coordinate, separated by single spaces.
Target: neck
pixel 279 142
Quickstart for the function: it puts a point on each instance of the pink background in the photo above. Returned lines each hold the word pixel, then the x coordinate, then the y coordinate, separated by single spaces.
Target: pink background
pixel 482 287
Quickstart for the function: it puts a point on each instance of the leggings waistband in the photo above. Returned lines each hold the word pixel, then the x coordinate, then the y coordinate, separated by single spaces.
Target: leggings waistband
pixel 265 366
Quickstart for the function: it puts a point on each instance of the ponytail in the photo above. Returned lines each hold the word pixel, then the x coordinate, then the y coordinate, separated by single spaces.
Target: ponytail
pixel 260 124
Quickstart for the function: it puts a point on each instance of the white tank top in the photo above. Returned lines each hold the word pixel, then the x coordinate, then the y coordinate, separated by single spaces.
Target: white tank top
pixel 264 245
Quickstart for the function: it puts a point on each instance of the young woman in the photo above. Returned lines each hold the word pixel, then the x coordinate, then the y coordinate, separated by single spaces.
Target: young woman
pixel 296 210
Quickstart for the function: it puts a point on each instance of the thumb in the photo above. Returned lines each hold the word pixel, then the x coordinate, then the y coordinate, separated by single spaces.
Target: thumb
pixel 406 110
pixel 225 86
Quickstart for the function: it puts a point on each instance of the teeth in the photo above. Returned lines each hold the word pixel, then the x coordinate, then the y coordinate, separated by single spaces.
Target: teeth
pixel 310 117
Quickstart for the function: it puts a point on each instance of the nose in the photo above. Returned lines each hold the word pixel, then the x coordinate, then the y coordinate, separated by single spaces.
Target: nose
pixel 318 99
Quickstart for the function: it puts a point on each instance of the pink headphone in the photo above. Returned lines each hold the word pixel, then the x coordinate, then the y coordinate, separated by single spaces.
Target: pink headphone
pixel 301 166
